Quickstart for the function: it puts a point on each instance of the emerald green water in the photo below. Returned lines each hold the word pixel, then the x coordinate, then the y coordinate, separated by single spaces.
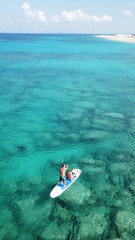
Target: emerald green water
pixel 66 99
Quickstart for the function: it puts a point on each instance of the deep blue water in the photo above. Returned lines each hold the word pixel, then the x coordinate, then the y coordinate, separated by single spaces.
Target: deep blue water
pixel 66 99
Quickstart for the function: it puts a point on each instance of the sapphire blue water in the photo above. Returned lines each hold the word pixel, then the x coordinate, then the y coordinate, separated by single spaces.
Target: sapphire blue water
pixel 66 98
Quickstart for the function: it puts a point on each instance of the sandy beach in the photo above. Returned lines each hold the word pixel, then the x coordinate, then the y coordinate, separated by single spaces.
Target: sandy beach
pixel 119 37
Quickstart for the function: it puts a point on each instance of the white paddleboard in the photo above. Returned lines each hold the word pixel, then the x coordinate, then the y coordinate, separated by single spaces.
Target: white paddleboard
pixel 58 189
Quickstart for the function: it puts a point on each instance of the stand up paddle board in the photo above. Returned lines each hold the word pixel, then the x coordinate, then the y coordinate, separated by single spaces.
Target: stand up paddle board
pixel 59 189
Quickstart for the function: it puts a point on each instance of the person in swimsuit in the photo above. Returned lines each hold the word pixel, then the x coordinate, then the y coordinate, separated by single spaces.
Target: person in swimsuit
pixel 70 175
pixel 62 174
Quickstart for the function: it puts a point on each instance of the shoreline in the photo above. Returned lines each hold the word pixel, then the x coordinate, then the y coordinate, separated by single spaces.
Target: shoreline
pixel 130 38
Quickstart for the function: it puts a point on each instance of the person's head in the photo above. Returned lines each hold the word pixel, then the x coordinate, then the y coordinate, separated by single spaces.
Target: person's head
pixel 63 165
pixel 69 170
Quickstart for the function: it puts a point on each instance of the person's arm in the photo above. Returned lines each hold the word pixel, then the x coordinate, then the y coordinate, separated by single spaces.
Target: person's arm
pixel 66 167
pixel 73 170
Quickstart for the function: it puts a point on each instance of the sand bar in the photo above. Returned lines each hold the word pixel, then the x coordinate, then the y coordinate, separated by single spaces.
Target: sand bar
pixel 119 37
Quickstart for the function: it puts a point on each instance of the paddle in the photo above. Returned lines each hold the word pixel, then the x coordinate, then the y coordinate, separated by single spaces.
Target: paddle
pixel 57 182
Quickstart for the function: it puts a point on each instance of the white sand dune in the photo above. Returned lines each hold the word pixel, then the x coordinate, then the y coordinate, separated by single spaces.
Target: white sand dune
pixel 119 37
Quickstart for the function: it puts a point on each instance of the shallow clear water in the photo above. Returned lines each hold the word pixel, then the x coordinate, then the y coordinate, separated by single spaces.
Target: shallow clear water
pixel 66 99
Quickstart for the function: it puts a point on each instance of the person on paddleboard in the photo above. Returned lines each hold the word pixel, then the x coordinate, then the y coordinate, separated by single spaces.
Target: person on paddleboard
pixel 70 175
pixel 62 174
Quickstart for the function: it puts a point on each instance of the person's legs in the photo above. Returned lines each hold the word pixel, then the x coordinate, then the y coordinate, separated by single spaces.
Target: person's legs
pixel 60 180
pixel 73 176
pixel 64 181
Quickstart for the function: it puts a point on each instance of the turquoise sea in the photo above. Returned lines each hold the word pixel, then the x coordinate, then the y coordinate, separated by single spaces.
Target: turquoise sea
pixel 66 99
